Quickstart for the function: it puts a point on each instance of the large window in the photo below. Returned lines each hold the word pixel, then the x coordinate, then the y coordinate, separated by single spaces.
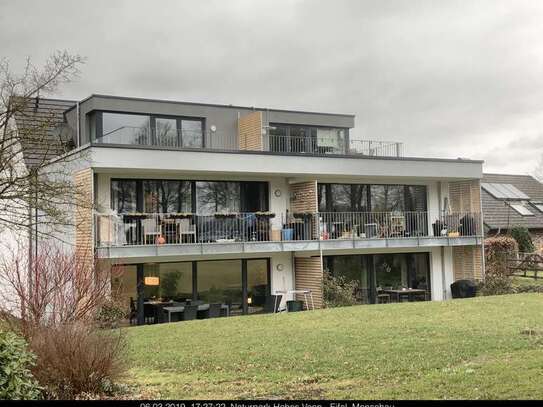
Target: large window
pixel 220 282
pixel 167 281
pixel 307 139
pixel 165 196
pixel 139 129
pixel 201 197
pixel 375 198
pixel 123 196
pixel 217 196
pixel 257 285
pixel 377 274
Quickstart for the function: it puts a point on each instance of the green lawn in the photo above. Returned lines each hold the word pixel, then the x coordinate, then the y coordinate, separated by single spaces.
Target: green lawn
pixel 486 347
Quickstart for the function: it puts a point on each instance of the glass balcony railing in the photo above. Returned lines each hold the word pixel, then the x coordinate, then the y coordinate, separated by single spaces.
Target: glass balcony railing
pixel 208 140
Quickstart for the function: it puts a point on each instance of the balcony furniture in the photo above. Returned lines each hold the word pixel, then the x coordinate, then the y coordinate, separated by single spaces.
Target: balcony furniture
pixel 272 303
pixel 382 296
pixel 186 230
pixel 209 311
pixel 189 312
pixel 372 230
pixel 397 225
pixel 151 230
pixel 308 295
pixel 405 292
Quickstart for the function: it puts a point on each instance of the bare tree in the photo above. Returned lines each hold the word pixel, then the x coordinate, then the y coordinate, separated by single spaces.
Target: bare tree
pixel 66 288
pixel 35 164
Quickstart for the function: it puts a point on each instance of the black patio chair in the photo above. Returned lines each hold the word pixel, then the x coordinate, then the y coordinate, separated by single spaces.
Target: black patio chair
pixel 272 303
pixel 189 313
pixel 214 311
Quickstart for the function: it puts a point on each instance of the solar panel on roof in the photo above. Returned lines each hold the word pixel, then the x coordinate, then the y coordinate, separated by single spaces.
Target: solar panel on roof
pixel 504 191
pixel 520 208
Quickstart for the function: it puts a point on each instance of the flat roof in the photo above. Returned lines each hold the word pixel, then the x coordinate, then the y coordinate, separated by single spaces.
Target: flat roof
pixel 208 105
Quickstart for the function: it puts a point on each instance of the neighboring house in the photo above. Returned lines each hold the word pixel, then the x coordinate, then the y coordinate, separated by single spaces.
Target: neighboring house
pixel 230 205
pixel 513 200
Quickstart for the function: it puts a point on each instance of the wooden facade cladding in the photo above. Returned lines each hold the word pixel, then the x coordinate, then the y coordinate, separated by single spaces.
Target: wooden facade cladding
pixel 467 263
pixel 303 197
pixel 250 132
pixel 465 196
pixel 84 242
pixel 308 276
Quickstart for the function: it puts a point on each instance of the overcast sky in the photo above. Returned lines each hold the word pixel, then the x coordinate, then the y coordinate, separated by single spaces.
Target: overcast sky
pixel 447 78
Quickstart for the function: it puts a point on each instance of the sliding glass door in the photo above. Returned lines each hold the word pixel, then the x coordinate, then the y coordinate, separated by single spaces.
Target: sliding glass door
pixel 378 274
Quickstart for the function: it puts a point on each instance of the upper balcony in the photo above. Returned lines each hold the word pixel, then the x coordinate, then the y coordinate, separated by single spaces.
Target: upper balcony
pixel 173 234
pixel 321 142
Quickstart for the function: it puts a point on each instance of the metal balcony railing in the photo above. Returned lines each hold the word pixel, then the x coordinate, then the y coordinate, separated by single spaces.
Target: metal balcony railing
pixel 207 140
pixel 185 228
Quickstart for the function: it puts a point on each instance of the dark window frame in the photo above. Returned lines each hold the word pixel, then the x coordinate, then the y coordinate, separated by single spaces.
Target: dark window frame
pixel 97 115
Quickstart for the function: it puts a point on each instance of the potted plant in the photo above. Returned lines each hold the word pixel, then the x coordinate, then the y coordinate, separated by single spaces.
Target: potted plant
pixel 265 215
pixel 225 215
pixel 136 215
pixel 181 215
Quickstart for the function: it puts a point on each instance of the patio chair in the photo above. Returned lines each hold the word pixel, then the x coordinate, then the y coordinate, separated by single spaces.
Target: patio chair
pixel 186 228
pixel 189 313
pixel 273 303
pixel 151 230
pixel 214 311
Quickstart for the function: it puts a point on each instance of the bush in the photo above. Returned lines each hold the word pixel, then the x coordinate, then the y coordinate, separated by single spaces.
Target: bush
pixel 16 380
pixel 111 313
pixel 497 273
pixel 523 239
pixel 77 359
pixel 338 292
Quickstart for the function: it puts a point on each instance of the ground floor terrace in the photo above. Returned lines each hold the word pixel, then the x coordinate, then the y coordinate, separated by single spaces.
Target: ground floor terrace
pixel 229 285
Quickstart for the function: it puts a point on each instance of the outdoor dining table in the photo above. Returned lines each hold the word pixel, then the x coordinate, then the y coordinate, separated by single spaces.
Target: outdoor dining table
pixel 410 292
pixel 181 308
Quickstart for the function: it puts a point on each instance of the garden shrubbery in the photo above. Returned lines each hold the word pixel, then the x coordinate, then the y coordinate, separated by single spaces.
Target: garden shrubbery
pixel 523 239
pixel 16 362
pixel 497 273
pixel 338 292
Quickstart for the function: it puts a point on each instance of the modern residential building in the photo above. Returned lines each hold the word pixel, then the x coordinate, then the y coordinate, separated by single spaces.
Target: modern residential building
pixel 231 205
pixel 511 200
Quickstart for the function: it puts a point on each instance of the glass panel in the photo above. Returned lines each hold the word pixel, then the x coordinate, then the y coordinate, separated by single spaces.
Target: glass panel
pixel 257 285
pixel 123 196
pixel 119 128
pixel 220 282
pixel 213 197
pixel 341 197
pixel 321 193
pixel 415 198
pixel 390 271
pixel 278 138
pixel 167 281
pixel 166 132
pixel 331 141
pixel 351 268
pixel 192 133
pixel 254 196
pixel 419 272
pixel 165 196
pixel 387 198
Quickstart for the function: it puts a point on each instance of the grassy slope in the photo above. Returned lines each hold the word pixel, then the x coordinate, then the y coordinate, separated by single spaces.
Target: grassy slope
pixel 456 349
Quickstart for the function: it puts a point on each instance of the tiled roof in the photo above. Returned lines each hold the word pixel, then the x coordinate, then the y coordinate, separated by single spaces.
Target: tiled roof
pixel 41 118
pixel 499 215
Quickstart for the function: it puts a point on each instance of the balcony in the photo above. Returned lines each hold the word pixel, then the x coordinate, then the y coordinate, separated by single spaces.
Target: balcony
pixel 334 145
pixel 142 234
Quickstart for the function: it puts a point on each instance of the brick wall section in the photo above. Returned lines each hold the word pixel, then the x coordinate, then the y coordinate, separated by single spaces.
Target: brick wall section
pixel 308 276
pixel 465 196
pixel 250 131
pixel 467 263
pixel 84 245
